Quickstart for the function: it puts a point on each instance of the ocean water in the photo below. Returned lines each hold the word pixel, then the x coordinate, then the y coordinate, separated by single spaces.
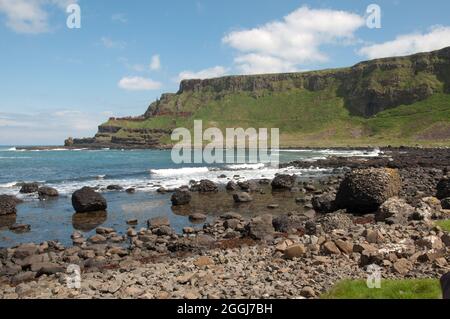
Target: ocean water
pixel 144 170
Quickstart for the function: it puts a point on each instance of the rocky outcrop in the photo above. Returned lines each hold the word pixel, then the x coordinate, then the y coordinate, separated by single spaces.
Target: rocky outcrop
pixel 8 205
pixel 364 190
pixel 29 188
pixel 88 200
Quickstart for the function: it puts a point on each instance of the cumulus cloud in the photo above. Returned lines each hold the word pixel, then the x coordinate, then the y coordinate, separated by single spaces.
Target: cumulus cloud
pixel 213 72
pixel 30 16
pixel 137 83
pixel 111 44
pixel 49 127
pixel 155 63
pixel 282 46
pixel 436 38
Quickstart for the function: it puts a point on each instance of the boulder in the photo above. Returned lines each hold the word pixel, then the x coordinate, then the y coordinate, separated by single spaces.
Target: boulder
pixel 29 188
pixel 330 248
pixel 287 224
pixel 8 205
pixel 365 190
pixel 205 186
pixel 45 192
pixel 443 188
pixel 294 251
pixel 394 211
pixel 260 227
pixel 445 203
pixel 324 203
pixel 242 198
pixel 284 182
pixel 232 186
pixel 87 200
pixel 114 188
pixel 181 197
pixel 402 266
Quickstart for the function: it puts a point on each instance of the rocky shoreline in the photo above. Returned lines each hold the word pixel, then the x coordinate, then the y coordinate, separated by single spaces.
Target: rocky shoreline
pixel 382 211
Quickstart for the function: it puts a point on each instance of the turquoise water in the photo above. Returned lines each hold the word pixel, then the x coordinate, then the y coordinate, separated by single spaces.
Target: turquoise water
pixel 145 170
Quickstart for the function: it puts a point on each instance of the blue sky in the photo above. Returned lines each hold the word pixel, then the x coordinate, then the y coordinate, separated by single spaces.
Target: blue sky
pixel 57 82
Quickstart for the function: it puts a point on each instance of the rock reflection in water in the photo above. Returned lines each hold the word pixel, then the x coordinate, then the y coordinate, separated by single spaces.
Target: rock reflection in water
pixel 88 221
pixel 7 221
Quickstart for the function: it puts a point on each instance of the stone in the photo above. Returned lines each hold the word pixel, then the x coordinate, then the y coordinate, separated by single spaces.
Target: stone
pixel 188 230
pixel 330 248
pixel 430 242
pixel 231 223
pixel 295 251
pixel 232 186
pixel 196 217
pixel 130 190
pixel 97 239
pixel 21 277
pixel 443 188
pixel 8 205
pixel 181 197
pixel 242 197
pixel 402 266
pixel 88 200
pixel 203 261
pixel 363 191
pixel 308 292
pixel 45 192
pixel 394 211
pixel 359 248
pixel 25 250
pixel 20 228
pixel 231 215
pixel 345 246
pixel 283 182
pixel 261 227
pixel 373 236
pixel 132 222
pixel 104 230
pixel 114 188
pixel 445 203
pixel 205 186
pixel 29 188
pixel 324 203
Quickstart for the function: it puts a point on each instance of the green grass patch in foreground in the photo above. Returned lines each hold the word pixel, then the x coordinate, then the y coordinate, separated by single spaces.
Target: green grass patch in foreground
pixel 390 289
pixel 444 224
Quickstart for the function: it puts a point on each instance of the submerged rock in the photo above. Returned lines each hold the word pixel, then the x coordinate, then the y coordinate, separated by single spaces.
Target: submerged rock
pixel 242 198
pixel 181 197
pixel 87 200
pixel 45 192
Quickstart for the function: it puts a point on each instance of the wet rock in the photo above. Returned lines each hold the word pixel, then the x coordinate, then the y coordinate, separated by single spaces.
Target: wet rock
pixel 133 221
pixel 242 197
pixel 394 211
pixel 248 186
pixel 443 188
pixel 114 188
pixel 8 205
pixel 88 221
pixel 232 186
pixel 29 188
pixel 97 239
pixel 130 190
pixel 197 217
pixel 104 230
pixel 261 227
pixel 45 192
pixel 181 197
pixel 87 200
pixel 283 182
pixel 324 203
pixel 231 215
pixel 20 228
pixel 205 186
pixel 365 190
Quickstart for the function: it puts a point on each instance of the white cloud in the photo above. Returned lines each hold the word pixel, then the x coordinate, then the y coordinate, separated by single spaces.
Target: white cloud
pixel 213 72
pixel 137 83
pixel 111 44
pixel 30 16
pixel 282 46
pixel 436 38
pixel 155 63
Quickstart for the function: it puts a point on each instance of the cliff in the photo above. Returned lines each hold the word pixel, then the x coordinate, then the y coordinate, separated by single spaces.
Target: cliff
pixel 401 100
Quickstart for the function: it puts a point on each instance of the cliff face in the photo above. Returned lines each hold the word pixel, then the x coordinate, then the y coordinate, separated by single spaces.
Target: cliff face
pixel 363 91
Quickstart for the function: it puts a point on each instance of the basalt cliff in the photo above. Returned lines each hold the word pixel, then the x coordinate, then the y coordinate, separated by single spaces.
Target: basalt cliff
pixel 391 101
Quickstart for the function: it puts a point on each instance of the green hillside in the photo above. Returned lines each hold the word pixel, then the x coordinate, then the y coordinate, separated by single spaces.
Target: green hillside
pixel 394 101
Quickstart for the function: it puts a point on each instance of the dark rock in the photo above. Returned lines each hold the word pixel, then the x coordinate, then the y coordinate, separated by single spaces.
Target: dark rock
pixel 445 203
pixel 283 182
pixel 181 197
pixel 29 188
pixel 49 269
pixel 443 188
pixel 87 200
pixel 197 217
pixel 205 186
pixel 114 188
pixel 8 205
pixel 324 203
pixel 242 198
pixel 364 190
pixel 232 186
pixel 23 277
pixel 25 250
pixel 131 190
pixel 248 186
pixel 287 224
pixel 20 228
pixel 47 192
pixel 231 215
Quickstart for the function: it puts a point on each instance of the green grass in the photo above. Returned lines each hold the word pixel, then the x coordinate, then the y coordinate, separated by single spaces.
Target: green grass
pixel 390 289
pixel 444 224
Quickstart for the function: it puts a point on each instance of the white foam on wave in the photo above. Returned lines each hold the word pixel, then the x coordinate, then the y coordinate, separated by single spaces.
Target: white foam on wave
pixel 184 171
pixel 245 166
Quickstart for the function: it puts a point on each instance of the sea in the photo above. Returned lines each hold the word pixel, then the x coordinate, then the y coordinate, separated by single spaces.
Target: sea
pixel 144 170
